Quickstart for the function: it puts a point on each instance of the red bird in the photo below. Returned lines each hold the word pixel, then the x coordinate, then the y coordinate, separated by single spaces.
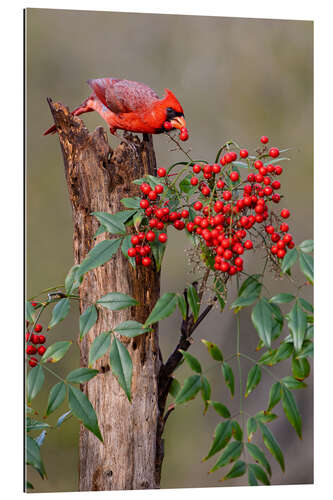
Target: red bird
pixel 131 106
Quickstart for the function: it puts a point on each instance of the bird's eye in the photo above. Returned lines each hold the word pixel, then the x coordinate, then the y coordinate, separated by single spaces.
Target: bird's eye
pixel 171 113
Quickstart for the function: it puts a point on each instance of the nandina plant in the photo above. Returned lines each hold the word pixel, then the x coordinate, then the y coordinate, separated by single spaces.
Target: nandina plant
pixel 227 208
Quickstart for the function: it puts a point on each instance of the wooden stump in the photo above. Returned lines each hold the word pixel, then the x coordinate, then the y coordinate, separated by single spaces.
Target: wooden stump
pixel 97 179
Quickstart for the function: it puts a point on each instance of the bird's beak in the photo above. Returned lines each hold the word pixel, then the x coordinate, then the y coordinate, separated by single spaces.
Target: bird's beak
pixel 178 122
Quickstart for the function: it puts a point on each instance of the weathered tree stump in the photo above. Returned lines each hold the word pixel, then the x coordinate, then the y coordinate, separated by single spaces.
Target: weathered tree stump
pixel 97 179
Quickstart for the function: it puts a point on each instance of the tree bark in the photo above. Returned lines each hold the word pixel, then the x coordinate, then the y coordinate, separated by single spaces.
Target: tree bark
pixel 97 179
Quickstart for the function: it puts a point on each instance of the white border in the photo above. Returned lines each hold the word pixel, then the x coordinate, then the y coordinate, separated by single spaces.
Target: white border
pixel 11 247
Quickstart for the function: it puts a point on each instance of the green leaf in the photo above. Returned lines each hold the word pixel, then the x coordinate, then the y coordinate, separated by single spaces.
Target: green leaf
pixel 191 361
pixel 34 425
pixel 265 417
pixel 111 222
pixel 284 351
pixel 163 308
pixel 73 279
pixel 193 300
pixel 289 260
pixel 251 427
pixel 174 388
pixel 253 379
pixel 307 350
pixel 131 202
pixel 99 347
pixel 268 358
pixel 121 366
pixel 306 265
pixel 222 435
pixel 251 477
pixel 274 395
pixel 305 304
pixel 220 409
pixel 237 431
pixel 81 375
pixel 149 179
pixel 243 301
pixel 33 456
pixel 186 186
pixel 271 444
pixel 220 291
pixel 64 417
pixel 30 312
pixel 230 454
pixel 262 319
pixel 191 387
pixel 282 298
pixel 100 230
pixel 99 255
pixel 56 351
pixel 59 313
pixel 300 368
pixel 131 328
pixel 158 250
pixel 83 410
pixel 237 470
pixel 29 486
pixel 240 164
pixel 126 244
pixel 291 410
pixel 259 473
pixel 259 456
pixel 40 439
pixel 56 397
pixel 205 392
pixel 251 286
pixel 35 382
pixel 228 377
pixel 292 383
pixel 115 301
pixel 213 350
pixel 307 246
pixel 87 320
pixel 182 306
pixel 297 325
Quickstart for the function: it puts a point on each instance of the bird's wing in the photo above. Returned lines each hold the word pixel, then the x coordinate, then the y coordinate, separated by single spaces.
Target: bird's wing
pixel 123 96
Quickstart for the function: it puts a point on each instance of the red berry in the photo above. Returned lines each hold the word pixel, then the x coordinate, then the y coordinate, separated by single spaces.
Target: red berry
pixel 225 266
pixel 146 261
pixel 144 204
pixel 34 338
pixel 274 249
pixel 228 158
pixel 232 270
pixel 135 239
pixel 234 176
pixel 275 237
pixel 34 304
pixel 153 222
pixel 258 164
pixel 185 213
pixel 285 213
pixel 284 227
pixel 207 169
pixel 150 236
pixel 167 125
pixel 141 236
pixel 152 195
pixel 197 205
pixel 238 261
pixel 159 189
pixel 243 153
pixel 233 155
pixel 274 152
pixel 190 227
pixel 278 170
pixel 131 252
pixel 41 339
pixel 163 237
pixel 205 191
pixel 38 328
pixel 291 244
pixel 281 253
pixel 220 184
pixel 145 188
pixel 264 139
pixel 218 206
pixel 194 181
pixel 227 195
pixel 227 254
pixel 159 225
pixel 287 238
pixel 270 169
pixel 41 349
pixel 276 198
pixel 183 134
pixel 31 349
pixel 161 172
pixel 276 185
pixel 179 224
pixel 33 362
pixel 248 244
pixel 269 229
pixel 27 336
pixel 216 168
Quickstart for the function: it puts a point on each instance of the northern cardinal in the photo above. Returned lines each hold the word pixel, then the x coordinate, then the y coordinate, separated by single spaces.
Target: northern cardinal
pixel 131 106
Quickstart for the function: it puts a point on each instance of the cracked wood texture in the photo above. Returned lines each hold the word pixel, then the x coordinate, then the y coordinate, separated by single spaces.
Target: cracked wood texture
pixel 97 179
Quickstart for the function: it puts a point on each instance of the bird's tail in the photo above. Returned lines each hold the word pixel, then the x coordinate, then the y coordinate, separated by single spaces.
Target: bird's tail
pixel 83 108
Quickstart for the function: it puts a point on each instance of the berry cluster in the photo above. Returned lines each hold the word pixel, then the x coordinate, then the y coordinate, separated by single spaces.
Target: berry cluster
pixel 183 136
pixel 227 217
pixel 32 340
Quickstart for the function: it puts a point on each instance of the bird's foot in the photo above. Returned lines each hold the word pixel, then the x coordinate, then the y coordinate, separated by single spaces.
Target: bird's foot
pixel 132 141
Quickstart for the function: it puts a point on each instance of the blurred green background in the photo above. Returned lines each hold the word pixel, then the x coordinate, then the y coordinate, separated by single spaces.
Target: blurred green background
pixel 236 78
